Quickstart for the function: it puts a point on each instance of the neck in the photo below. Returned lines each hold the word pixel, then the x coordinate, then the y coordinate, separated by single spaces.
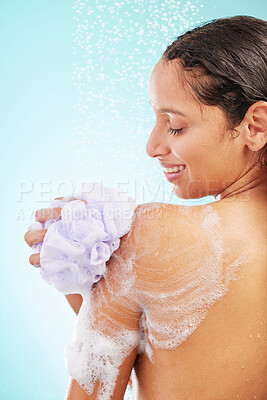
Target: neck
pixel 251 185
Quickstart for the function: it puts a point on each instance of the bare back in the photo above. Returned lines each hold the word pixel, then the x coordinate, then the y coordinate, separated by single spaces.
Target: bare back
pixel 205 303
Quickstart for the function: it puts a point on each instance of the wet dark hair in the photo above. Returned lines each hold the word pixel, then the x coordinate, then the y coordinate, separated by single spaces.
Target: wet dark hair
pixel 230 57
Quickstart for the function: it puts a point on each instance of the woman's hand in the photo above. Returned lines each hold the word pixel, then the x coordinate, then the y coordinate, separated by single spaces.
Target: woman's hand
pixel 37 236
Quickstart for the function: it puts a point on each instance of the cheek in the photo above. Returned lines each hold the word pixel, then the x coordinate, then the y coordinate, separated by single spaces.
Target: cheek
pixel 188 152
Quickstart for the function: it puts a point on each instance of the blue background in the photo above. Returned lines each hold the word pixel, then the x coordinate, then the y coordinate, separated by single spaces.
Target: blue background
pixel 74 108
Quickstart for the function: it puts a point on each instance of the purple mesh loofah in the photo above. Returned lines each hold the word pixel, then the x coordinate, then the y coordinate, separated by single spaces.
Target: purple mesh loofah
pixel 76 248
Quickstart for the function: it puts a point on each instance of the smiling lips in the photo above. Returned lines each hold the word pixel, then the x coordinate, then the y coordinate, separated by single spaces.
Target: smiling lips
pixel 171 168
pixel 175 169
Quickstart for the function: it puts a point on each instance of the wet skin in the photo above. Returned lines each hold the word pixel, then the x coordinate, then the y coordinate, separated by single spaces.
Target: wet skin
pixel 225 357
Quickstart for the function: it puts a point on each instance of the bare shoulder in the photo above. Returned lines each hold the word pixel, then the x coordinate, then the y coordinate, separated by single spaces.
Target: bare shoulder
pixel 157 219
pixel 164 232
pixel 164 235
pixel 152 216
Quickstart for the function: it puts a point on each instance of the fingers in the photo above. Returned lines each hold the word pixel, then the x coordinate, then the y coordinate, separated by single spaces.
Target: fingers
pixel 35 236
pixel 34 259
pixel 44 214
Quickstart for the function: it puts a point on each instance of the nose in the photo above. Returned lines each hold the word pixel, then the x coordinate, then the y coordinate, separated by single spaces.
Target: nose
pixel 157 144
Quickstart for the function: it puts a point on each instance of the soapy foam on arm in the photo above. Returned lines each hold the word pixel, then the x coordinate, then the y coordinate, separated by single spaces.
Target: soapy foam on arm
pixel 107 327
pixel 93 356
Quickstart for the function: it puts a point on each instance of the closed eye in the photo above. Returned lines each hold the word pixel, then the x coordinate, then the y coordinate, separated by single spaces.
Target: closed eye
pixel 175 131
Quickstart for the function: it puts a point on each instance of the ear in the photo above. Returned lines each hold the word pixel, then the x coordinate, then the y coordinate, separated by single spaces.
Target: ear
pixel 255 123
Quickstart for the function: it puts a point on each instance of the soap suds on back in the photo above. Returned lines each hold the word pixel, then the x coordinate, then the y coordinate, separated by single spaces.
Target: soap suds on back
pixel 171 285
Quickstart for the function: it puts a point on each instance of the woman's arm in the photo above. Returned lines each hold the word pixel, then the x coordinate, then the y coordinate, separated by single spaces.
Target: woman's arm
pixel 75 301
pixel 103 350
pixel 75 392
pixel 107 311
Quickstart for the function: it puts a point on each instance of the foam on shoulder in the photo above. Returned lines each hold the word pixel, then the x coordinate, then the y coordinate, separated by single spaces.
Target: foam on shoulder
pixel 181 273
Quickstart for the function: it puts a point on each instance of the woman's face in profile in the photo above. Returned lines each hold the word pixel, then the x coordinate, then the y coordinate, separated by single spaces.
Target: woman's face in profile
pixel 192 135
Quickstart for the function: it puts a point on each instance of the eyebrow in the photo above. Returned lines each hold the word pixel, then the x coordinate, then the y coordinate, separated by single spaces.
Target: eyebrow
pixel 167 110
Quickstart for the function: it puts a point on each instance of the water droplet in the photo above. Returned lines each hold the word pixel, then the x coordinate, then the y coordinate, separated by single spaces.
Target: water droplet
pixel 259 335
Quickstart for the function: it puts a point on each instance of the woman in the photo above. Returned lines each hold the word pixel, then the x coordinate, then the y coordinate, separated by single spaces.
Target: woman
pixel 184 301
